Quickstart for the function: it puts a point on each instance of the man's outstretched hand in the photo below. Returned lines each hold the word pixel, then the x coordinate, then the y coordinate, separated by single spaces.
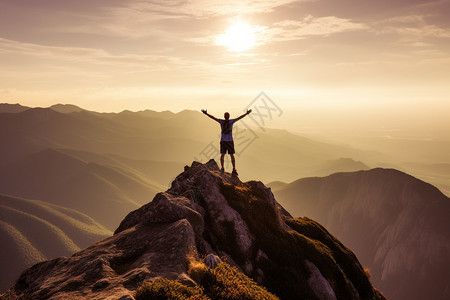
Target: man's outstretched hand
pixel 204 111
pixel 249 111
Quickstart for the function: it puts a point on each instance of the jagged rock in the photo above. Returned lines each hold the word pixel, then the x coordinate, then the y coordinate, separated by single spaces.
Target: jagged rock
pixel 208 214
pixel 200 184
pixel 113 267
pixel 211 261
pixel 165 208
pixel 319 284
pixel 260 255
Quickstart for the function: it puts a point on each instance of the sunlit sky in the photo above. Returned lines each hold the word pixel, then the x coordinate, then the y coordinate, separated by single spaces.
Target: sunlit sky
pixel 338 56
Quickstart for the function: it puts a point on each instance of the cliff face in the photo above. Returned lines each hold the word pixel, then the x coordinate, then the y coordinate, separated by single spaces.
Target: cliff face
pixel 206 214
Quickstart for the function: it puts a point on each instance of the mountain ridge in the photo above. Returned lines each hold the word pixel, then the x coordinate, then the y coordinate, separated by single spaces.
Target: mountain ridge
pixel 157 136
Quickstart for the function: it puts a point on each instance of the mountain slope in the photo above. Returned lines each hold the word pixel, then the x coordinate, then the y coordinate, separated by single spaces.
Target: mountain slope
pixel 157 173
pixel 32 231
pixel 396 224
pixel 436 174
pixel 59 178
pixel 206 213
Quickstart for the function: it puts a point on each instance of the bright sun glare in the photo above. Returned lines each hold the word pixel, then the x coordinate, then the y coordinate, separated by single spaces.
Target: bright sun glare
pixel 239 37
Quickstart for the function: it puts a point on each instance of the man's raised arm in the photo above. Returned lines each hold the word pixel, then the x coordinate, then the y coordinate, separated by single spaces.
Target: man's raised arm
pixel 247 113
pixel 212 117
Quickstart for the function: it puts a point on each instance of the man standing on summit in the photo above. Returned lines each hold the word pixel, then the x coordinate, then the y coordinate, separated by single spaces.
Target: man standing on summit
pixel 226 140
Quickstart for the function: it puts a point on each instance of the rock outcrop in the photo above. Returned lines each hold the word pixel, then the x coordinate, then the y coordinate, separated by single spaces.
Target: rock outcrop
pixel 212 215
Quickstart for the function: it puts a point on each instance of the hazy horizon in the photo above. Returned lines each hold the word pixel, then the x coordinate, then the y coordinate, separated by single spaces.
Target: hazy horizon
pixel 403 141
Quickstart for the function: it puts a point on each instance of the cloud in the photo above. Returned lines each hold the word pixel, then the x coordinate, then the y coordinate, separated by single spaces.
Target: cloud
pixel 411 26
pixel 407 19
pixel 424 31
pixel 323 26
pixel 11 46
pixel 34 65
pixel 77 55
pixel 208 8
pixel 137 19
pixel 427 41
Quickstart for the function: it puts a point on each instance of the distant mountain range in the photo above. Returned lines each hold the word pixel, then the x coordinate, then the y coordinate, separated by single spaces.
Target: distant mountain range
pixel 157 136
pixel 397 225
pixel 12 108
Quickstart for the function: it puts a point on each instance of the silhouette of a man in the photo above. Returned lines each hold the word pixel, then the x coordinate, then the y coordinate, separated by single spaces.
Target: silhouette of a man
pixel 226 140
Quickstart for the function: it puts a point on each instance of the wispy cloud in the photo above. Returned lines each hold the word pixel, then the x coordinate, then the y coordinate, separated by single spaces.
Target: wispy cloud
pixel 87 55
pixel 418 36
pixel 208 8
pixel 288 30
pixel 424 31
pixel 137 19
pixel 83 66
pixel 11 46
pixel 412 26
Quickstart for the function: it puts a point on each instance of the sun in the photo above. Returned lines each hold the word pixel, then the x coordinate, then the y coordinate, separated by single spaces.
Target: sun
pixel 238 38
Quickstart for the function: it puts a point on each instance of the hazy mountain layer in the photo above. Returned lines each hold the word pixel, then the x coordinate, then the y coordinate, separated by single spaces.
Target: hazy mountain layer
pixel 181 137
pixel 12 108
pixel 104 193
pixel 398 226
pixel 151 136
pixel 32 231
pixel 158 173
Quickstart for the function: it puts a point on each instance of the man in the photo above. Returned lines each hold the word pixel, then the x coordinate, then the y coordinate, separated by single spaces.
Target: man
pixel 226 140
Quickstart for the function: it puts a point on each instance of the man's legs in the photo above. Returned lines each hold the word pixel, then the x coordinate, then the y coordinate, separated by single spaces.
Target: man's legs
pixel 233 162
pixel 222 159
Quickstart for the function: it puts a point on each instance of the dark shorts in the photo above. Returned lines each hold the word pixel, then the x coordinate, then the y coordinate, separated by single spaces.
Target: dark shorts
pixel 226 146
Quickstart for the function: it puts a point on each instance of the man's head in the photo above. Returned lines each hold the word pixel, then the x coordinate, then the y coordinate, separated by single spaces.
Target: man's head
pixel 226 115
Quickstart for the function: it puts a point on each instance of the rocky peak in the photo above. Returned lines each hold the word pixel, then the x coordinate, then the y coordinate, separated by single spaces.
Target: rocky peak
pixel 206 214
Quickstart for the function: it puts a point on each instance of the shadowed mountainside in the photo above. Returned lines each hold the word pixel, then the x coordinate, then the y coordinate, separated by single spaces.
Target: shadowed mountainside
pixel 396 224
pixel 32 231
pixel 436 174
pixel 58 178
pixel 207 214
